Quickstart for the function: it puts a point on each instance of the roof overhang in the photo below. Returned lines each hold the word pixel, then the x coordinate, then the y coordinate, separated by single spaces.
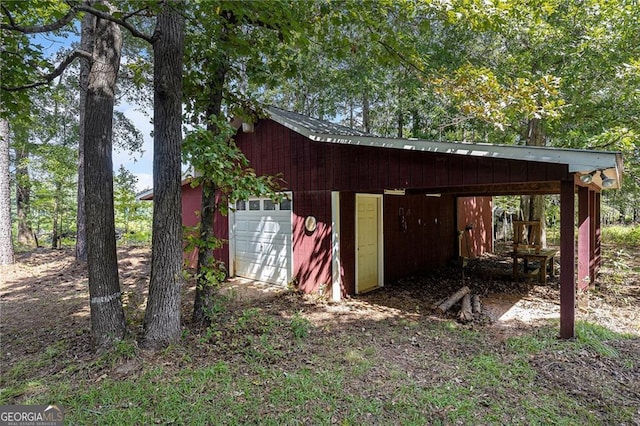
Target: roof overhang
pixel 148 194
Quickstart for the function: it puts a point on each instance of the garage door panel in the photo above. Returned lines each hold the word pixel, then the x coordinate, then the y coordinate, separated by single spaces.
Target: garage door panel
pixel 267 273
pixel 256 251
pixel 267 225
pixel 266 245
pixel 263 271
pixel 272 259
pixel 272 225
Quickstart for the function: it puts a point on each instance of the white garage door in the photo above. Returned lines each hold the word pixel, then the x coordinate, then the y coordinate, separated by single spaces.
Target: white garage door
pixel 262 240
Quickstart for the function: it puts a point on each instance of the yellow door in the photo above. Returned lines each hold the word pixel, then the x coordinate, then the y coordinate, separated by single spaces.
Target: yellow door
pixel 367 249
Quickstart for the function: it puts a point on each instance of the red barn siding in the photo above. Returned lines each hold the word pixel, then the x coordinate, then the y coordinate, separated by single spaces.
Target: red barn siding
pixel 348 241
pixel 312 250
pixel 412 224
pixel 475 211
pixel 191 206
pixel 221 229
pixel 311 166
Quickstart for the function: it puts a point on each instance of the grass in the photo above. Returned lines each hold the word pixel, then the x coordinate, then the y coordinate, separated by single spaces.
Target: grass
pixel 287 360
pixel 621 235
pixel 265 374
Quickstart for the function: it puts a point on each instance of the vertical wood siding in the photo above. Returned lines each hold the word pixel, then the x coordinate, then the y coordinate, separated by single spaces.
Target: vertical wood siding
pixel 348 241
pixel 191 205
pixel 419 233
pixel 477 212
pixel 312 250
pixel 310 166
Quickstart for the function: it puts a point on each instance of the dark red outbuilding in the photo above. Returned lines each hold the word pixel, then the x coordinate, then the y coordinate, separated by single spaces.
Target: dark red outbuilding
pixel 366 210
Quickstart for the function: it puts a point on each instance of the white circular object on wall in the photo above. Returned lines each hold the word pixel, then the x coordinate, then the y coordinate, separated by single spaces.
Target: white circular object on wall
pixel 310 223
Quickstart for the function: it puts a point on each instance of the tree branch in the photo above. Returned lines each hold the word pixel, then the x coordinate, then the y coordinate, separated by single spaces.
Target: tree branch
pixel 134 13
pixel 122 22
pixel 402 57
pixel 66 19
pixel 50 77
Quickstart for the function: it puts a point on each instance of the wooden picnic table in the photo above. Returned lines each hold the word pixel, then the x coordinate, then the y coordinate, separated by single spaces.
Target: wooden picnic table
pixel 544 256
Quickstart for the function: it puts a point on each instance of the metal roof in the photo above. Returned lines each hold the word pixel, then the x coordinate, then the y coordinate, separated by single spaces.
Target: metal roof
pixel 579 161
pixel 314 125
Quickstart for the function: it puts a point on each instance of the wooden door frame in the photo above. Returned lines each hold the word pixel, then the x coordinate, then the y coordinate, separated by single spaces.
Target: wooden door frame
pixel 380 199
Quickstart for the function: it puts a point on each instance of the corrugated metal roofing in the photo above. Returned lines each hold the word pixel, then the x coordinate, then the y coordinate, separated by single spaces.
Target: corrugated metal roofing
pixel 315 125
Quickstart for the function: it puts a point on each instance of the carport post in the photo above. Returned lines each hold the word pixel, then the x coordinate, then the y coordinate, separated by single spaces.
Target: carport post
pixel 597 236
pixel 594 205
pixel 584 237
pixel 567 260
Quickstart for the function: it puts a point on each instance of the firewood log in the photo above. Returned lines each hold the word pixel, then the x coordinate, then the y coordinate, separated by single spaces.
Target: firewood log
pixel 477 307
pixel 465 311
pixel 436 304
pixel 444 306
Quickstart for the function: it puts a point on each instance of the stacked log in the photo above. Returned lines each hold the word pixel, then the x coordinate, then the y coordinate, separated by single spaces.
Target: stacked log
pixel 453 299
pixel 465 310
pixel 470 307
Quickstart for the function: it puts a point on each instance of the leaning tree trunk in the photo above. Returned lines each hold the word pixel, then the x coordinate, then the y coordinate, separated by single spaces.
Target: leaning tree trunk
pixel 86 44
pixel 6 245
pixel 536 206
pixel 162 317
pixel 107 315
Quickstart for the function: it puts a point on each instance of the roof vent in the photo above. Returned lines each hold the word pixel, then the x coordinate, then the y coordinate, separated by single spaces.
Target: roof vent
pixel 247 127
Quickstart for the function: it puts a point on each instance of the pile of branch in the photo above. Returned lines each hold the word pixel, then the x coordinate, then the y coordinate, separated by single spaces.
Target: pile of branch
pixel 470 307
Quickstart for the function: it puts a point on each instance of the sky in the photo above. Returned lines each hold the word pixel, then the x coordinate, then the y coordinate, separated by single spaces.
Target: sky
pixel 140 164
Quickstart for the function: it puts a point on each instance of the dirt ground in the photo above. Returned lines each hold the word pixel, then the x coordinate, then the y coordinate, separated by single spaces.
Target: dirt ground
pixel 44 300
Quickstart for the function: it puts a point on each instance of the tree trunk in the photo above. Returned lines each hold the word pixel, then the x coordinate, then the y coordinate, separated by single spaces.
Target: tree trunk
pixel 107 315
pixel 205 290
pixel 86 44
pixel 162 317
pixel 366 122
pixel 55 235
pixel 415 123
pixel 23 194
pixel 351 121
pixel 536 210
pixel 6 245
